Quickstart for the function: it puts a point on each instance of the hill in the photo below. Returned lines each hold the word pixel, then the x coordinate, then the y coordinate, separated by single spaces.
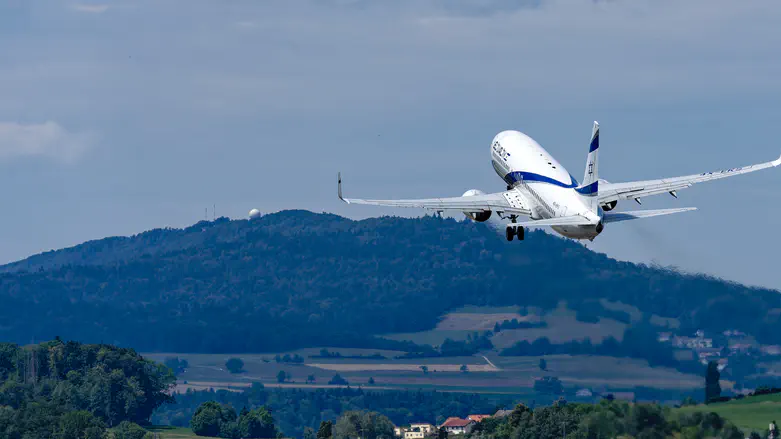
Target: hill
pixel 299 279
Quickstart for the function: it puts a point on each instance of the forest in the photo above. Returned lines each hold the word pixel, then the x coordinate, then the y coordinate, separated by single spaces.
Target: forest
pixel 72 390
pixel 323 280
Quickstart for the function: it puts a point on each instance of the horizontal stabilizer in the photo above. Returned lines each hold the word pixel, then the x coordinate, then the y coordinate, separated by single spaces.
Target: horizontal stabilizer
pixel 626 216
pixel 573 220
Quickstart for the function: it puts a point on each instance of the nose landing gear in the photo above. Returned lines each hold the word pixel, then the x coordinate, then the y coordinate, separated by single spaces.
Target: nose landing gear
pixel 513 231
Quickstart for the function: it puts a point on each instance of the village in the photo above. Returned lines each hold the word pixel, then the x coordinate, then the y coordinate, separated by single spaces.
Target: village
pixel 719 347
pixel 452 426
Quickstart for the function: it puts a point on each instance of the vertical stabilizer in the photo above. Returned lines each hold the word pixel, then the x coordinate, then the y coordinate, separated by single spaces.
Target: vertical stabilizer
pixel 589 187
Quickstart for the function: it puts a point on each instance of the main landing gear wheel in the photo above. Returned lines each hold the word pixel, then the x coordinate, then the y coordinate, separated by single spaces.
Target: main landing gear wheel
pixel 513 231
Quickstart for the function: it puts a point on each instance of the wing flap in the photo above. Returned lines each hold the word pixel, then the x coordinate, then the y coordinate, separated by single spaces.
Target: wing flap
pixel 616 217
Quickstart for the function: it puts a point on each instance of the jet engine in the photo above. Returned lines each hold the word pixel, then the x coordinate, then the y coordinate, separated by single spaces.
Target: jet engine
pixel 609 206
pixel 480 217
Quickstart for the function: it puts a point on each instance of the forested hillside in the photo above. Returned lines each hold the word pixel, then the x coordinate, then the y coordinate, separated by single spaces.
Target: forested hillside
pixel 70 390
pixel 297 278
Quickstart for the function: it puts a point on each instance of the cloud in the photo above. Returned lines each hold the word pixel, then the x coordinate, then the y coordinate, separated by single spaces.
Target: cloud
pixel 47 139
pixel 90 8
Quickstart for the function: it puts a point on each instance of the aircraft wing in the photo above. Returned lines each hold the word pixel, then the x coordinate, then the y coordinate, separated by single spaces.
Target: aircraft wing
pixel 611 217
pixel 609 192
pixel 508 202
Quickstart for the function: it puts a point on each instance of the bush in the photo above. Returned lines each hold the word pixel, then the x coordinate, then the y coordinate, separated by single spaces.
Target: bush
pixel 235 365
pixel 337 380
pixel 129 430
pixel 212 419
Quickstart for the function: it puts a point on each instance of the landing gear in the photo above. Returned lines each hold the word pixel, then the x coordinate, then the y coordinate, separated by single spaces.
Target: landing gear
pixel 513 231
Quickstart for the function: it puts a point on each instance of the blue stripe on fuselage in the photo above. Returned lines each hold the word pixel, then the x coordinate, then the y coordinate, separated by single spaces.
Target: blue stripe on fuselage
pixel 589 190
pixel 517 176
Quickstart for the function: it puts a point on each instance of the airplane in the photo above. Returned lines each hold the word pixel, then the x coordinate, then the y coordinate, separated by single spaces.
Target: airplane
pixel 539 188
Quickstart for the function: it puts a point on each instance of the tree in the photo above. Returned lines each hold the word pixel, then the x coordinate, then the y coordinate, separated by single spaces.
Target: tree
pixel 212 418
pixel 424 369
pixel 548 384
pixel 441 433
pixel 310 379
pixel 235 365
pixel 543 364
pixel 78 425
pixel 337 380
pixel 326 430
pixel 257 423
pixel 497 328
pixel 281 376
pixel 371 381
pixel 712 386
pixel 309 433
pixel 464 368
pixel 129 430
pixel 364 425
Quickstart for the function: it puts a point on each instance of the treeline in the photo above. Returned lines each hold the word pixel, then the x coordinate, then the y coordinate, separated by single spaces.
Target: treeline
pixel 294 410
pixel 608 419
pixel 325 353
pixel 72 390
pixel 639 341
pixel 322 280
pixel 454 348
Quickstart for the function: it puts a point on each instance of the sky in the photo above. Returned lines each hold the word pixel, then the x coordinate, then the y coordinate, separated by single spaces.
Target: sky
pixel 118 117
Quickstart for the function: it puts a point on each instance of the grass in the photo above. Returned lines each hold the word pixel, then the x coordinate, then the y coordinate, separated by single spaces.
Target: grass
pixel 749 414
pixel 174 432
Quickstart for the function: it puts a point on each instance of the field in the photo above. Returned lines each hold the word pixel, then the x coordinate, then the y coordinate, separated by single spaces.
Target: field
pixel 562 326
pixel 749 414
pixel 174 433
pixel 485 374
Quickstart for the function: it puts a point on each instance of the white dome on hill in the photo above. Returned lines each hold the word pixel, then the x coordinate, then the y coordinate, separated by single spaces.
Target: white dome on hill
pixel 254 213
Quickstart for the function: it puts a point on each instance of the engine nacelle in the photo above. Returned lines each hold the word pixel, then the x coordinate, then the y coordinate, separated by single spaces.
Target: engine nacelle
pixel 480 217
pixel 610 206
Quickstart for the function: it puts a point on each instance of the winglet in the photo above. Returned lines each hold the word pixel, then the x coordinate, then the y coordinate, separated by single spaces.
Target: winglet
pixel 339 176
pixel 777 162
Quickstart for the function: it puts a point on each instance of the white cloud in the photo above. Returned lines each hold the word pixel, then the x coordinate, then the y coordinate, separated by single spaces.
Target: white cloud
pixel 90 8
pixel 47 139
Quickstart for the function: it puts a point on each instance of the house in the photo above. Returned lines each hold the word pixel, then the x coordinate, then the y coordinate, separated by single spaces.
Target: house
pixel 478 418
pixel 664 337
pixel 584 393
pixel 739 348
pixel 423 426
pixel 502 413
pixel 772 350
pixel 415 431
pixel 458 425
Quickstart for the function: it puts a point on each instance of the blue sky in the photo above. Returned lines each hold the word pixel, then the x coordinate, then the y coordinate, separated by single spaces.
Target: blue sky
pixel 118 117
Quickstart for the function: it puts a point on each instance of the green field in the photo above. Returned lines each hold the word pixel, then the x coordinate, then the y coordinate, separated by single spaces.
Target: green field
pixel 749 414
pixel 174 433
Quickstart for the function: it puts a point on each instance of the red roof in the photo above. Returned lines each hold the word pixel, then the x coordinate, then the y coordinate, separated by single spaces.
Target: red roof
pixel 478 418
pixel 457 422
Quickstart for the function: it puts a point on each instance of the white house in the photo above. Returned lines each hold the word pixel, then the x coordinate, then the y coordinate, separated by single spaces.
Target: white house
pixel 458 425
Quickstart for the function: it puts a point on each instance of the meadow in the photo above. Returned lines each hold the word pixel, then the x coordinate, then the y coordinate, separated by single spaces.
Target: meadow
pixel 749 414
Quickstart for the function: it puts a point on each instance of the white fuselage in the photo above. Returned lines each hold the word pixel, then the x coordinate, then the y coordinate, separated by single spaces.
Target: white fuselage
pixel 542 181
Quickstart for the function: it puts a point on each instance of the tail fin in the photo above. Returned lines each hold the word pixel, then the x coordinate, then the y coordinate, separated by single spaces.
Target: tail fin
pixel 590 185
